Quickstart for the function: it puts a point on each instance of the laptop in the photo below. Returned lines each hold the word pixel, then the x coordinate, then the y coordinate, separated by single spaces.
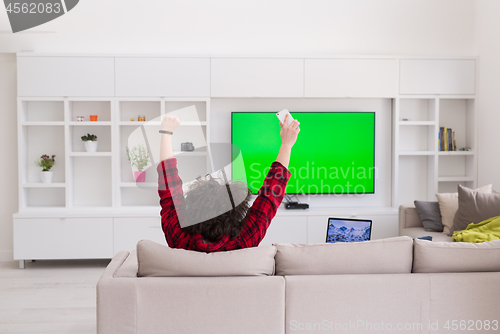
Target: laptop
pixel 348 230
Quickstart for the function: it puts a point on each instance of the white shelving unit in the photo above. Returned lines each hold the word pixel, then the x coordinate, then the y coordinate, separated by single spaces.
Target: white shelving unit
pixel 103 178
pixel 94 208
pixel 422 170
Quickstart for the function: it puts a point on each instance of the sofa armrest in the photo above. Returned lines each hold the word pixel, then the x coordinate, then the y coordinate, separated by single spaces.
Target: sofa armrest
pixel 408 217
pixel 116 300
pixel 115 263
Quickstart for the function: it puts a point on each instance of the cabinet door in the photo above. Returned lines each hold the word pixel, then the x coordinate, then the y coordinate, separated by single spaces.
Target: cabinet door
pixel 162 76
pixel 437 76
pixel 128 231
pixel 232 77
pixel 63 238
pixel 286 229
pixel 351 77
pixel 65 76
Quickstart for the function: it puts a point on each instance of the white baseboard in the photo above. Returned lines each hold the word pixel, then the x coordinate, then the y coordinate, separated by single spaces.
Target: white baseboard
pixel 6 256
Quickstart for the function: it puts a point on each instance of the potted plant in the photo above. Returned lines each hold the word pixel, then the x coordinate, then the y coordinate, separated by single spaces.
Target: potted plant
pixel 138 157
pixel 90 142
pixel 46 163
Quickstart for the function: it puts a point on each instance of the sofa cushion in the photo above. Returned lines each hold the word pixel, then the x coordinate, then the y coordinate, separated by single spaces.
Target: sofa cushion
pixel 384 256
pixel 157 260
pixel 429 215
pixel 448 206
pixel 474 207
pixel 455 257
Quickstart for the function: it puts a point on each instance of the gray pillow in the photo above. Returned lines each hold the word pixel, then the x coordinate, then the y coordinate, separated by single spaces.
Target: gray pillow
pixel 474 207
pixel 429 215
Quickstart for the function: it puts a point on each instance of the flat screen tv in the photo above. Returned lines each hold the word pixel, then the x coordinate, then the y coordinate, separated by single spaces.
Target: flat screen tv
pixel 334 152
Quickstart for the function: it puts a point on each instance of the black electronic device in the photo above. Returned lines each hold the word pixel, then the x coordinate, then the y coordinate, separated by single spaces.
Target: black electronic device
pixel 296 206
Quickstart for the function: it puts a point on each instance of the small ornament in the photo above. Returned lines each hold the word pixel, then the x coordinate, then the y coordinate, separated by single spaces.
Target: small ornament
pixel 131 119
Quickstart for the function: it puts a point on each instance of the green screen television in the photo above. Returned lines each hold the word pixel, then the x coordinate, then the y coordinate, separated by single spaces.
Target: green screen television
pixel 334 152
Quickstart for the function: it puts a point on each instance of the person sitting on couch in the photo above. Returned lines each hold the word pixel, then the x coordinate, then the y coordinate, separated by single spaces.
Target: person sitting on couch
pixel 240 227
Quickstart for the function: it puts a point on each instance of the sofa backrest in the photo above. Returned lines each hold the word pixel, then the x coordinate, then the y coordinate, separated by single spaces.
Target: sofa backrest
pixel 383 256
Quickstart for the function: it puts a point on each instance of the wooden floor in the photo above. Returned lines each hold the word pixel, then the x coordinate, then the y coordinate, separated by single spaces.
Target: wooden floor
pixel 49 296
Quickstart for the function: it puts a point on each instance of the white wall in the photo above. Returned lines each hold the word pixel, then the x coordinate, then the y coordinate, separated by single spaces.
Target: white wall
pixel 8 152
pixel 415 27
pixel 291 27
pixel 488 48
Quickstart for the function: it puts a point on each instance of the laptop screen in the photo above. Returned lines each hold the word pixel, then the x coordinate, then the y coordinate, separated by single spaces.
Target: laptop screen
pixel 348 230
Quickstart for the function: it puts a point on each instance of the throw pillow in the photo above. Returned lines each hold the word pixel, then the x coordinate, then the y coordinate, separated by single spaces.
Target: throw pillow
pixel 448 206
pixel 455 257
pixel 382 256
pixel 157 260
pixel 474 207
pixel 429 215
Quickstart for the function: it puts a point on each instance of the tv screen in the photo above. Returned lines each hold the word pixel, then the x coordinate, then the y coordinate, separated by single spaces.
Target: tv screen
pixel 334 152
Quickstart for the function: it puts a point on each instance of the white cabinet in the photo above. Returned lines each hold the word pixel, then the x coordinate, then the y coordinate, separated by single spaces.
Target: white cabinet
pixel 128 231
pixel 351 77
pixel 231 77
pixel 162 77
pixel 65 76
pixel 438 76
pixel 63 238
pixel 286 229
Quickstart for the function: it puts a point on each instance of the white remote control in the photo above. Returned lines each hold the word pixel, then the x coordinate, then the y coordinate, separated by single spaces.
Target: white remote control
pixel 281 116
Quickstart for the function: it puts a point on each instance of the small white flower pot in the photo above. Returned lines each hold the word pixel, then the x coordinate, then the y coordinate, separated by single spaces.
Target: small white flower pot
pixel 46 177
pixel 91 146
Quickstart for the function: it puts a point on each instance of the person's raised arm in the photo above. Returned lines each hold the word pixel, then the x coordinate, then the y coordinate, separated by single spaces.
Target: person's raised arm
pixel 168 123
pixel 288 135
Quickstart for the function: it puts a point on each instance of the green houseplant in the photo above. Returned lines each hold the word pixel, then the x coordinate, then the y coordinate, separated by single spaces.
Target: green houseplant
pixel 46 162
pixel 139 158
pixel 90 142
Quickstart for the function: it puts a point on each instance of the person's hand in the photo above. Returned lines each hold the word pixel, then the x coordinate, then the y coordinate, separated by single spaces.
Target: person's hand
pixel 289 132
pixel 170 122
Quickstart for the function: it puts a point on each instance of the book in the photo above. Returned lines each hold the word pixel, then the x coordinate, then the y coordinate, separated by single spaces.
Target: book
pixel 454 142
pixel 441 139
pixel 450 139
pixel 445 139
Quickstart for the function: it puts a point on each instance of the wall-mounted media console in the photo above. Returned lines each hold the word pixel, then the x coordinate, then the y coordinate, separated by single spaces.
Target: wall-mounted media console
pixel 93 207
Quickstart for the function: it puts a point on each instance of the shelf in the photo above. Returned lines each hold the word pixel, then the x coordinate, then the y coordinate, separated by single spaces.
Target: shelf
pixel 193 123
pixel 137 123
pixel 42 123
pixel 406 153
pixel 455 179
pixel 89 123
pixel 44 185
pixel 456 153
pixel 134 184
pixel 90 154
pixel 192 154
pixel 417 123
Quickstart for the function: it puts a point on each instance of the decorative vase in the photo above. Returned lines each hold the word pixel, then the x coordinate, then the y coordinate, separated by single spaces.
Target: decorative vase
pixel 91 145
pixel 47 176
pixel 93 118
pixel 140 176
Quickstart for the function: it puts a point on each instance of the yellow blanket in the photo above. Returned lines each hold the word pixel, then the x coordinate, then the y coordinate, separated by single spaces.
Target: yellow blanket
pixel 487 230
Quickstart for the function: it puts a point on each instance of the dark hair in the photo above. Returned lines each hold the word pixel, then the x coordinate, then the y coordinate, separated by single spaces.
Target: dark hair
pixel 207 208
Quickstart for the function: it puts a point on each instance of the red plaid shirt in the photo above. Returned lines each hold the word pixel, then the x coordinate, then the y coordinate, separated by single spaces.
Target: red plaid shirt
pixel 261 213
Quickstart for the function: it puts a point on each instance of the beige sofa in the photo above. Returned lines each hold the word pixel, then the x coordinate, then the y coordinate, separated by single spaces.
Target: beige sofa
pixel 340 293
pixel 411 225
